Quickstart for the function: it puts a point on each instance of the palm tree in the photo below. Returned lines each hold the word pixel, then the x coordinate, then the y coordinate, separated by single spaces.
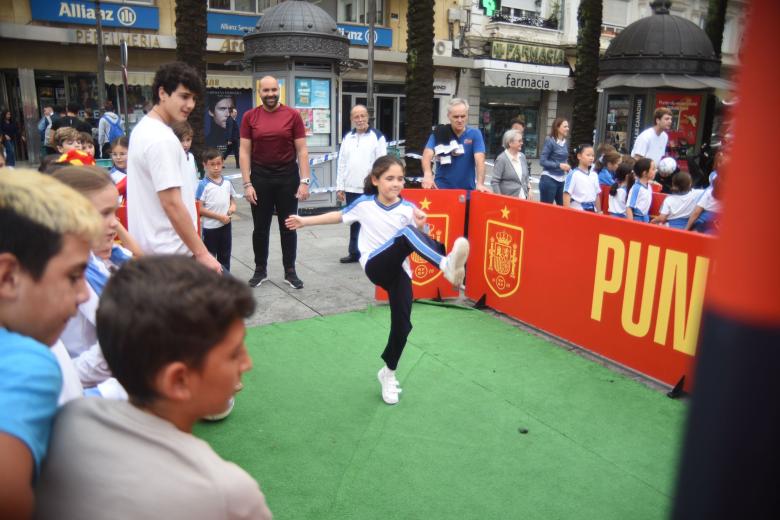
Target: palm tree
pixel 191 49
pixel 716 20
pixel 586 73
pixel 419 79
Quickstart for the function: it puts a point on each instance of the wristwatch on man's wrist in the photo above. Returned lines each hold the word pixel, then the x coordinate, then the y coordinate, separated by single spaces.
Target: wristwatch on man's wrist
pixel 306 181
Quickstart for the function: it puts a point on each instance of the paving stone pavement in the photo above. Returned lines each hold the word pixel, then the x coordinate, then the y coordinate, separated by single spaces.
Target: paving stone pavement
pixel 329 286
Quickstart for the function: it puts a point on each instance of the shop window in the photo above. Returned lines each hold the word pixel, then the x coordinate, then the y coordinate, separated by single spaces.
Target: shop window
pixel 617 130
pixel 242 6
pixel 355 11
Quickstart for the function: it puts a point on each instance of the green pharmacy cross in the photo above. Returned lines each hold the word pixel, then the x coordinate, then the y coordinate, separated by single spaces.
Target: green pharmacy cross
pixel 490 6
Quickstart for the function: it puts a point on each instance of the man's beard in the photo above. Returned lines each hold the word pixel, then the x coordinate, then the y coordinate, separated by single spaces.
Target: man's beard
pixel 266 100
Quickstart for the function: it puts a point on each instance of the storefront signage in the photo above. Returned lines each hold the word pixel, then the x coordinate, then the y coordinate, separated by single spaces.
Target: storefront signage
pixel 525 80
pixel 639 117
pixel 84 13
pixel 443 86
pixel 524 53
pixel 145 41
pixel 358 35
pixel 686 113
pixel 231 24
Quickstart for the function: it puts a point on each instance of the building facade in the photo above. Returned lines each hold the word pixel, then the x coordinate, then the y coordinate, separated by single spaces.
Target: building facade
pixel 512 58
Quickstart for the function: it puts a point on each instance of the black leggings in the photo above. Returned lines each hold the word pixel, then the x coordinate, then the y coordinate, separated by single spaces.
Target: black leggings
pixel 274 193
pixel 385 269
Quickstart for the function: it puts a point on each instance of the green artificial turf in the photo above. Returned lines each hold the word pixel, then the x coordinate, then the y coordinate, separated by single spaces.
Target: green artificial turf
pixel 311 427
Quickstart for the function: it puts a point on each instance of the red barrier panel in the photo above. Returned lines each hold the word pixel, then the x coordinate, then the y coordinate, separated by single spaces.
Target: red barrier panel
pixel 446 210
pixel 628 291
pixel 605 198
pixel 655 204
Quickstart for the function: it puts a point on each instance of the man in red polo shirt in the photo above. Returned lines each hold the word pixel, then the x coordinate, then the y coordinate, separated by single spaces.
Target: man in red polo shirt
pixel 274 164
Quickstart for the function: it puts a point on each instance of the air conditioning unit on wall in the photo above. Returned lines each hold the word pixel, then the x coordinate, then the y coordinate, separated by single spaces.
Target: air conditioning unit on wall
pixel 442 48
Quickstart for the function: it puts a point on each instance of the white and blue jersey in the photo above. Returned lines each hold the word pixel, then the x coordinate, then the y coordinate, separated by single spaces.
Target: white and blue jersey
pixel 379 224
pixel 677 207
pixel 617 203
pixel 639 199
pixel 583 188
pixel 214 197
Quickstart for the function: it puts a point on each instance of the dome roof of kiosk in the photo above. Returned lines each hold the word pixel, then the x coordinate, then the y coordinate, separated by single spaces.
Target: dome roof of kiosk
pixel 661 44
pixel 296 28
pixel 296 16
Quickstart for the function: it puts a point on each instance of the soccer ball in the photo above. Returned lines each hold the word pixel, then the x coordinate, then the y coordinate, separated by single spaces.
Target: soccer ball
pixel 667 166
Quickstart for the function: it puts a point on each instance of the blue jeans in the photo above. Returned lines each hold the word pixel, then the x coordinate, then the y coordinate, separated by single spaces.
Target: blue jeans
pixel 354 228
pixel 550 190
pixel 10 155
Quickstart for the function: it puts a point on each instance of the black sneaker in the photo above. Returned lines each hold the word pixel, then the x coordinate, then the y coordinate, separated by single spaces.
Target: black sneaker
pixel 292 278
pixel 349 259
pixel 259 277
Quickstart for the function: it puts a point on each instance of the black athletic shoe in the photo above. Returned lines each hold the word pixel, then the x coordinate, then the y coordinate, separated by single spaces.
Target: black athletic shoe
pixel 259 277
pixel 292 278
pixel 349 259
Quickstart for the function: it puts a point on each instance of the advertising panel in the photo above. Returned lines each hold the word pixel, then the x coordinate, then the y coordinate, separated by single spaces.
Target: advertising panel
pixel 446 210
pixel 219 103
pixel 630 292
pixel 686 109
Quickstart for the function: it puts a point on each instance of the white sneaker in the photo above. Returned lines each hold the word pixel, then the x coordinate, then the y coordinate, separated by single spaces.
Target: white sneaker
pixel 221 415
pixel 453 265
pixel 390 389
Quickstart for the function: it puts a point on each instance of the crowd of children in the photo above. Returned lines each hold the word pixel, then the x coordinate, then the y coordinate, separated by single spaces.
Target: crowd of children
pixel 630 186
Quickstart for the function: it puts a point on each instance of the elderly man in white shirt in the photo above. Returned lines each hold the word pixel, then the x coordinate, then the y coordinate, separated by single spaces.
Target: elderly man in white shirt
pixel 360 147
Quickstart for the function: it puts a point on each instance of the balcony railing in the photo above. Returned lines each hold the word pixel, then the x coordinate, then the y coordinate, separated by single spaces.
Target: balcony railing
pixel 530 21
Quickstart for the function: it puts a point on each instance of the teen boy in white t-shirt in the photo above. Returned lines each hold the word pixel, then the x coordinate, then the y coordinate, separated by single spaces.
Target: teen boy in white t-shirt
pixel 138 458
pixel 652 142
pixel 161 196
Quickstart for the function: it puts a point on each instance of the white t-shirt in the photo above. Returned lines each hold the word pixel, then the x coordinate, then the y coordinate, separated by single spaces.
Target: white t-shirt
pixel 708 202
pixel 156 161
pixel 110 459
pixel 214 197
pixel 583 187
pixel 680 205
pixel 378 223
pixel 194 174
pixel 651 145
pixel 71 386
pixel 617 202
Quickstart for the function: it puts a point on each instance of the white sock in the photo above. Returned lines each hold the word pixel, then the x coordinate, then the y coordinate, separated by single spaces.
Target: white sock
pixel 443 263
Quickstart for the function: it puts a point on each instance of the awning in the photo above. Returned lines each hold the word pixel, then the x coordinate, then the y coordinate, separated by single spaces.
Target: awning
pixel 683 81
pixel 114 77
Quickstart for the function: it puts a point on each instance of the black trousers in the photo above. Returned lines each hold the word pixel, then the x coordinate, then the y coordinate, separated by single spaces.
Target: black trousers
pixel 219 242
pixel 274 193
pixel 385 269
pixel 232 148
pixel 354 228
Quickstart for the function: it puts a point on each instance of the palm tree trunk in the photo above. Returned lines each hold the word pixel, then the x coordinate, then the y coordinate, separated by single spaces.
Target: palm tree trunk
pixel 586 75
pixel 191 49
pixel 419 79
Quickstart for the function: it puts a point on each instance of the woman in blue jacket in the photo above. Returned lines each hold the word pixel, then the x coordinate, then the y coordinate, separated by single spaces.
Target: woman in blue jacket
pixel 554 159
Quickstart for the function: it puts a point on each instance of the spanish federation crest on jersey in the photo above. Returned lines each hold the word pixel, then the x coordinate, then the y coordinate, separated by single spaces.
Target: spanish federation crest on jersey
pixel 423 272
pixel 503 257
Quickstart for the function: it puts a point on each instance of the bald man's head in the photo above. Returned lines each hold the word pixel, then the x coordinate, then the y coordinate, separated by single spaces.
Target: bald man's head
pixel 269 92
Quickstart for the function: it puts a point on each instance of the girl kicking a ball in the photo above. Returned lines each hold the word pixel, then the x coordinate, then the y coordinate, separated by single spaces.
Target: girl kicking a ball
pixel 390 230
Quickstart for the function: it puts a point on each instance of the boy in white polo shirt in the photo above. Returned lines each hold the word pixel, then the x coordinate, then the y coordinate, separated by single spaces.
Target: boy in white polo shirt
pixel 217 205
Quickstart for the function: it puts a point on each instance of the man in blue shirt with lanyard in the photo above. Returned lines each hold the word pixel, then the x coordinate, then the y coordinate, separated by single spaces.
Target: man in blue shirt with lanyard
pixel 459 152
